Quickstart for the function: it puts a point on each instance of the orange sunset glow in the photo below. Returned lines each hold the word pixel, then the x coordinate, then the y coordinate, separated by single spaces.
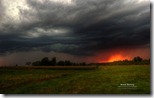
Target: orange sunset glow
pixel 121 54
pixel 117 57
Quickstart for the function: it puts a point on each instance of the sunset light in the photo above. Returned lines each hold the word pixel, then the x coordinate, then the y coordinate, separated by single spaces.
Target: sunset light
pixel 117 57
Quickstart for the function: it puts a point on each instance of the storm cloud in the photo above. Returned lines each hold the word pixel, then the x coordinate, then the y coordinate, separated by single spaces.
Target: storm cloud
pixel 76 27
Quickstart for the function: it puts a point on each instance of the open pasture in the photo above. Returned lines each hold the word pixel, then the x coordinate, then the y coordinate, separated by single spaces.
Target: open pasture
pixel 118 79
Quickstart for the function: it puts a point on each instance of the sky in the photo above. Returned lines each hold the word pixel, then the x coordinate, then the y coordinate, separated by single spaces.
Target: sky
pixel 76 30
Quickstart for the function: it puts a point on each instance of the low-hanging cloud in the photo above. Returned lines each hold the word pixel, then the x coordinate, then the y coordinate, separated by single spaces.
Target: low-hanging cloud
pixel 77 27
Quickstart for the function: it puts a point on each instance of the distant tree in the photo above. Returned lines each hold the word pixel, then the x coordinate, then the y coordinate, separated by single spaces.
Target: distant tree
pixel 28 63
pixel 67 62
pixel 126 60
pixel 61 63
pixel 137 59
pixel 74 64
pixel 36 63
pixel 53 61
pixel 45 61
pixel 83 63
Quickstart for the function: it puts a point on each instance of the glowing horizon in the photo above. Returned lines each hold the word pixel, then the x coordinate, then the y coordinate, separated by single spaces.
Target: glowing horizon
pixel 116 57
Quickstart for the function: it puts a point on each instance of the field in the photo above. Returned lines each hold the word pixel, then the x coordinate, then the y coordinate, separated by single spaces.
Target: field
pixel 118 79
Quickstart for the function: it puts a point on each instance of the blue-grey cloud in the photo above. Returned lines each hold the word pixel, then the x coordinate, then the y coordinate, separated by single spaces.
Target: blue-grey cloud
pixel 78 27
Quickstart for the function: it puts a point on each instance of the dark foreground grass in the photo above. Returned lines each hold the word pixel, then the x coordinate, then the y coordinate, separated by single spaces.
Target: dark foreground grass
pixel 134 79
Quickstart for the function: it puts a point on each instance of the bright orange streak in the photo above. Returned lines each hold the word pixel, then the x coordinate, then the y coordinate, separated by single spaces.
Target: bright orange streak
pixel 117 57
pixel 121 54
pixel 113 58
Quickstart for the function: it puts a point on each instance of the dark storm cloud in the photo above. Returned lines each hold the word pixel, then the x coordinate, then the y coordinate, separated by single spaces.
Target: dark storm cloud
pixel 79 27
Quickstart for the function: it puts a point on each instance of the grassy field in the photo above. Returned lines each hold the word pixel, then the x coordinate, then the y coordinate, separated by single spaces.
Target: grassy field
pixel 130 79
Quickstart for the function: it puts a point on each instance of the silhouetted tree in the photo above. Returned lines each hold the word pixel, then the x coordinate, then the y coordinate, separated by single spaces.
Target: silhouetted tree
pixel 45 61
pixel 126 60
pixel 61 63
pixel 28 63
pixel 53 61
pixel 83 64
pixel 67 62
pixel 137 59
pixel 36 63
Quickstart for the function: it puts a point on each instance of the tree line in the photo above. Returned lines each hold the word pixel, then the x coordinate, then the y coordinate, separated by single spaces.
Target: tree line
pixel 53 62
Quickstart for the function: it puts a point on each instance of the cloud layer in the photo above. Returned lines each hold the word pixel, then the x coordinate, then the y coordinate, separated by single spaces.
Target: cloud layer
pixel 77 27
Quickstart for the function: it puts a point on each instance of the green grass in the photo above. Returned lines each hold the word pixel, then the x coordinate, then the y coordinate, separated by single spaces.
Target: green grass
pixel 105 80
